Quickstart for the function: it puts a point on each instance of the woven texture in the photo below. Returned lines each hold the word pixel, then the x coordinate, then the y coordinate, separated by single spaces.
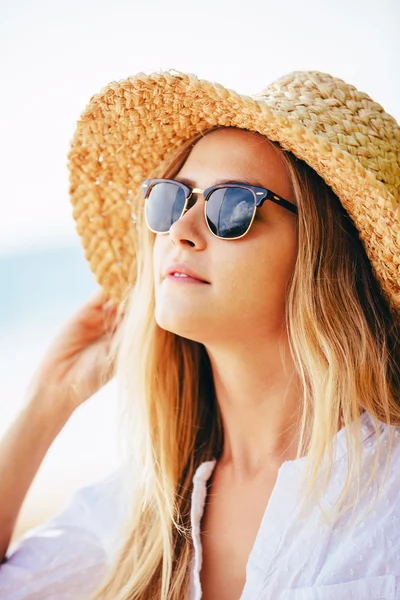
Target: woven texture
pixel 132 125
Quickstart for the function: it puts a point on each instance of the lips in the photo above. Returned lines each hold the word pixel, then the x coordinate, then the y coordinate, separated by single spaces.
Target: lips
pixel 185 270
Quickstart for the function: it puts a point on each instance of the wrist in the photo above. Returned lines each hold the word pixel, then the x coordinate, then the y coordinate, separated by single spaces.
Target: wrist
pixel 48 408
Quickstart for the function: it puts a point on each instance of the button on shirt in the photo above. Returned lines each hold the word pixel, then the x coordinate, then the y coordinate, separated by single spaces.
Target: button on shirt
pixel 357 558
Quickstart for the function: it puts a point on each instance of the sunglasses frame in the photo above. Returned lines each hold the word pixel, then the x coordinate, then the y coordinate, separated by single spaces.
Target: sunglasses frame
pixel 260 196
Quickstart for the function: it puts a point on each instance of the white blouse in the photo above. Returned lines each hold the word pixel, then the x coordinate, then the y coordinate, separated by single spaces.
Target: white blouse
pixel 66 557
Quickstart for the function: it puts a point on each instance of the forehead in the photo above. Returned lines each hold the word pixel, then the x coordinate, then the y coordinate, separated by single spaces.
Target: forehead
pixel 231 153
pixel 232 143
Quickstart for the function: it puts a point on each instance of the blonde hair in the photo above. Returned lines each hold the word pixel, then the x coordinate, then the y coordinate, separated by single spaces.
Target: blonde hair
pixel 345 345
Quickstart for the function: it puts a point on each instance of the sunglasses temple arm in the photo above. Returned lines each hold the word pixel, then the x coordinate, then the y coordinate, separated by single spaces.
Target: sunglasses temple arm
pixel 282 202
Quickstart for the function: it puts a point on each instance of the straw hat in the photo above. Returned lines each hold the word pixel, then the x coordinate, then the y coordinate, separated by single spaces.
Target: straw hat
pixel 132 125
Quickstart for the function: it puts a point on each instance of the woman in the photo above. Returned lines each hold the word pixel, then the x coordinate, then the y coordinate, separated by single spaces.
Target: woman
pixel 260 393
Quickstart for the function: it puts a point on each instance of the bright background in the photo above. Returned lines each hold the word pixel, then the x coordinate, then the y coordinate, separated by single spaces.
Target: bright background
pixel 53 57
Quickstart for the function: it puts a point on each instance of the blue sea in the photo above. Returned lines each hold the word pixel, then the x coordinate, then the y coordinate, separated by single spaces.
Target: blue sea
pixel 43 285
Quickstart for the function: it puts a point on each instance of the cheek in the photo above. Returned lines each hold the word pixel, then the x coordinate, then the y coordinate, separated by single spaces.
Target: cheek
pixel 159 249
pixel 256 277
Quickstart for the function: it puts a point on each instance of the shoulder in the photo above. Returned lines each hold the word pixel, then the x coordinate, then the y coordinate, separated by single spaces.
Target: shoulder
pixel 371 531
pixel 381 456
pixel 66 556
pixel 91 513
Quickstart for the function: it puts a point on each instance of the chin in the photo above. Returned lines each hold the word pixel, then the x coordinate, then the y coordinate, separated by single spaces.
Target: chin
pixel 178 325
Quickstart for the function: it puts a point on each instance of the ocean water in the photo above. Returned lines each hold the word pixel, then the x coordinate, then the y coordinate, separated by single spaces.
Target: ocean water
pixel 40 290
pixel 43 284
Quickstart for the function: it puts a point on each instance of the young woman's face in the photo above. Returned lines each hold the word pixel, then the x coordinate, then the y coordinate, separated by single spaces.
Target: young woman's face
pixel 248 276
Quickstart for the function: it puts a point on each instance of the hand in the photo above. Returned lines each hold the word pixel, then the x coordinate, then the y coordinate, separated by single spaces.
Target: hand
pixel 77 363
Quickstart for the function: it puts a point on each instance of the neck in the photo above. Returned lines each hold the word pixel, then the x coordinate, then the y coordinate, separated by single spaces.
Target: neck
pixel 259 399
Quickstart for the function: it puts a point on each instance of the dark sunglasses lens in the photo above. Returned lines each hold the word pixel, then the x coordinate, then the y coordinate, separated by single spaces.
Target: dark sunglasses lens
pixel 164 206
pixel 230 211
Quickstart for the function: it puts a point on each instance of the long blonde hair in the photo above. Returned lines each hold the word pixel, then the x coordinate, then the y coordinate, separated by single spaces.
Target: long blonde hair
pixel 345 345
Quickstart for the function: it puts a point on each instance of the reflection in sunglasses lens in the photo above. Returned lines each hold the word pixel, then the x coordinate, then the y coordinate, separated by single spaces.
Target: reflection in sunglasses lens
pixel 230 211
pixel 164 206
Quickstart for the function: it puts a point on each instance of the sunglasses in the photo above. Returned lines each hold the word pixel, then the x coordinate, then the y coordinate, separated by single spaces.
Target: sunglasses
pixel 229 209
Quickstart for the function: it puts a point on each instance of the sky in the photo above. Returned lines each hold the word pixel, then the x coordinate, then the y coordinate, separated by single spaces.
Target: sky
pixel 55 55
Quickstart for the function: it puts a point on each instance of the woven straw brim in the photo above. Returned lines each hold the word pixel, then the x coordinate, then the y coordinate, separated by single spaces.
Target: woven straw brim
pixel 132 125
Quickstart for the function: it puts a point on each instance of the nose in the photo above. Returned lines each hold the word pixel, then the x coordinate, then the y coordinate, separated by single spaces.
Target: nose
pixel 191 227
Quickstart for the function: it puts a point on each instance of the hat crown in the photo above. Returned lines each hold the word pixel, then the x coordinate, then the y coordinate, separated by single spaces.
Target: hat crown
pixel 346 117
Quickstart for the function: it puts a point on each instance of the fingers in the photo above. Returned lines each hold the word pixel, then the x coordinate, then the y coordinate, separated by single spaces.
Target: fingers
pixel 109 318
pixel 98 299
pixel 102 309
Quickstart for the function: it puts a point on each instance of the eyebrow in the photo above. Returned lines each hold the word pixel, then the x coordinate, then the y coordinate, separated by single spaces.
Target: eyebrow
pixel 241 181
